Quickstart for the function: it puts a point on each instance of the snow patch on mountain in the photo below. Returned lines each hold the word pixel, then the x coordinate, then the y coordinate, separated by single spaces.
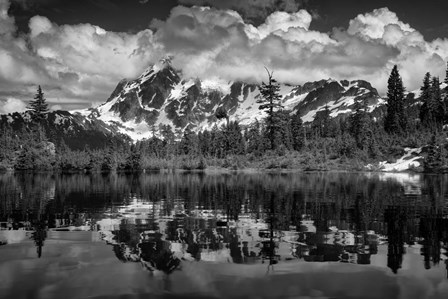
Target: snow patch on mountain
pixel 216 84
pixel 248 110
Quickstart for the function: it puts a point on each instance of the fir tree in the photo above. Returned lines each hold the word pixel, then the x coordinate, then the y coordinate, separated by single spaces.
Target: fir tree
pixel 395 121
pixel 446 75
pixel 254 140
pixel 359 124
pixel 168 138
pixel 445 101
pixel 39 106
pixel 297 132
pixel 438 106
pixel 134 159
pixel 425 98
pixel 234 139
pixel 322 122
pixel 205 143
pixel 218 143
pixel 270 102
pixel 283 134
pixel 433 161
pixel 189 142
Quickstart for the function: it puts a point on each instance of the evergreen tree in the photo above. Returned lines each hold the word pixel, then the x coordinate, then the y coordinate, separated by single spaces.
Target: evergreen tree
pixel 234 139
pixel 254 140
pixel 395 121
pixel 168 138
pixel 270 102
pixel 438 106
pixel 432 111
pixel 189 142
pixel 283 134
pixel 218 143
pixel 322 123
pixel 434 160
pixel 109 162
pixel 425 98
pixel 446 75
pixel 345 145
pixel 359 125
pixel 134 159
pixel 297 132
pixel 205 143
pixel 39 106
pixel 445 101
pixel 7 145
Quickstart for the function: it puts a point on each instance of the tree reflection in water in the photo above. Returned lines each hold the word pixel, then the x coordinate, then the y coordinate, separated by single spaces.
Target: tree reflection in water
pixel 239 218
pixel 39 235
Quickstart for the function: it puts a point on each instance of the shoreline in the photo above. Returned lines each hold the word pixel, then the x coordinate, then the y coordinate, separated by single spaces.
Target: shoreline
pixel 219 170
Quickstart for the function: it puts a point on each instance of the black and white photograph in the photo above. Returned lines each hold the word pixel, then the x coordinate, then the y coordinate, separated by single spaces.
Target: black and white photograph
pixel 223 149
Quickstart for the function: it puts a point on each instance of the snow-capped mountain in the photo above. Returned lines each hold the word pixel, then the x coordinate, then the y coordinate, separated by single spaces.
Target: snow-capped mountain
pixel 161 96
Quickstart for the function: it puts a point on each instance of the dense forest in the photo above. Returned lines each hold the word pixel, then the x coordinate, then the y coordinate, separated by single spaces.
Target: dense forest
pixel 280 141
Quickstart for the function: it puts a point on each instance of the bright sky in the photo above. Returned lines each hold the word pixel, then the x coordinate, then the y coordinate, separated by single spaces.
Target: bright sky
pixel 79 50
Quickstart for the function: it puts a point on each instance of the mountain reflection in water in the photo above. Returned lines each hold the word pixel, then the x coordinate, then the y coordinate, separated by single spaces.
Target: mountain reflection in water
pixel 174 223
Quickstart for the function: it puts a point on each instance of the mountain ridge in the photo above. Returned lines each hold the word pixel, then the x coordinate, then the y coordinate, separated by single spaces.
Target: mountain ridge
pixel 160 96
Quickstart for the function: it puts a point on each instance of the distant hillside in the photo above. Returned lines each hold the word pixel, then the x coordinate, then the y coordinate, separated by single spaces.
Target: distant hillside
pixel 76 130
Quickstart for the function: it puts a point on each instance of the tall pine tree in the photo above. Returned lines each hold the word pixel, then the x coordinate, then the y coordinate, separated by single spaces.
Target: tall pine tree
pixel 446 76
pixel 254 139
pixel 360 125
pixel 445 101
pixel 38 106
pixel 297 132
pixel 395 121
pixel 438 104
pixel 270 102
pixel 425 98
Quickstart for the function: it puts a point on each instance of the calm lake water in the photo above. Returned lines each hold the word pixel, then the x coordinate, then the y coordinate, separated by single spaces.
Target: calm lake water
pixel 194 235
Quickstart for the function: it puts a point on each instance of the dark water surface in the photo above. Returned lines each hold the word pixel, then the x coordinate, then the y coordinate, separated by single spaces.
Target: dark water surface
pixel 192 235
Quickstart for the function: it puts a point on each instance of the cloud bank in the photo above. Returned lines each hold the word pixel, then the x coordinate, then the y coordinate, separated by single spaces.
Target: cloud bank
pixel 75 64
pixel 80 64
pixel 209 42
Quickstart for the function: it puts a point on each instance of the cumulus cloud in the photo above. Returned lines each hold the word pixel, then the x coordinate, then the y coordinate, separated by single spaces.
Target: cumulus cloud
pixel 209 42
pixel 79 63
pixel 88 50
pixel 11 105
pixel 415 56
pixel 282 21
pixel 373 25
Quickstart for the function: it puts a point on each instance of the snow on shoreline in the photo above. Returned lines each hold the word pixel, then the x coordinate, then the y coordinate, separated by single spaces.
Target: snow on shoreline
pixel 410 159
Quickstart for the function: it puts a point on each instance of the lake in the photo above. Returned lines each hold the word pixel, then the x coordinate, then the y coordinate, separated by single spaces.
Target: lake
pixel 223 235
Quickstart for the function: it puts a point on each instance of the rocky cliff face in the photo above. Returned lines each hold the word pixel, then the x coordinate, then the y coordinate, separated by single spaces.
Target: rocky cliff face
pixel 338 96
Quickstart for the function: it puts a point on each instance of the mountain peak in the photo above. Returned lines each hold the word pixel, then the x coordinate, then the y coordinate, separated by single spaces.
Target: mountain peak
pixel 163 65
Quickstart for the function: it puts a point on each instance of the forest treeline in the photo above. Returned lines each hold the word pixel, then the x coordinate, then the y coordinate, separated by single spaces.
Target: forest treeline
pixel 280 140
